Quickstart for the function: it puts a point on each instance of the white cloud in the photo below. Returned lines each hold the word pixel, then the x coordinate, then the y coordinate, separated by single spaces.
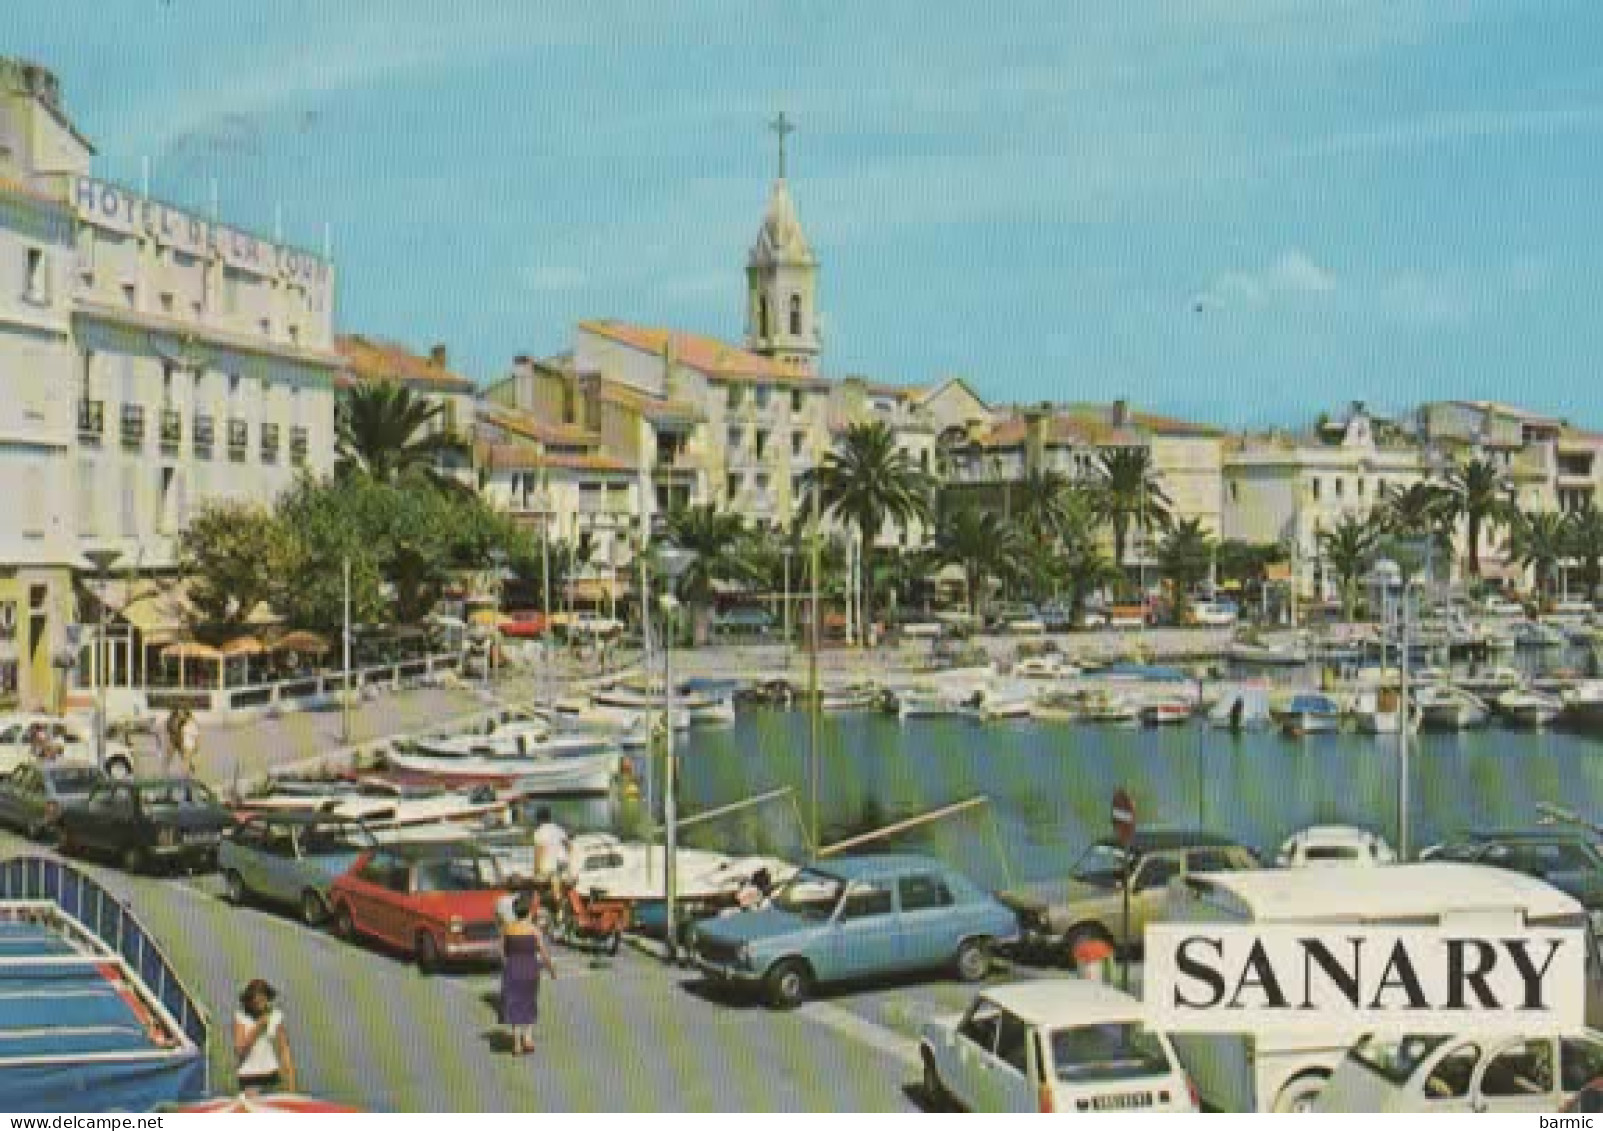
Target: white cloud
pixel 1294 273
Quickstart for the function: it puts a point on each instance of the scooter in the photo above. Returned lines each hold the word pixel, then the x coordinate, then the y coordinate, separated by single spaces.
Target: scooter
pixel 592 922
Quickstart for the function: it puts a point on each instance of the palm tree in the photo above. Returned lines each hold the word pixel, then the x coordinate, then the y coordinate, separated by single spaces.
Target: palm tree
pixel 1046 505
pixel 981 544
pixel 1585 529
pixel 717 538
pixel 1539 540
pixel 1127 491
pixel 1349 548
pixel 1479 495
pixel 1184 559
pixel 867 481
pixel 1419 511
pixel 383 429
pixel 1085 569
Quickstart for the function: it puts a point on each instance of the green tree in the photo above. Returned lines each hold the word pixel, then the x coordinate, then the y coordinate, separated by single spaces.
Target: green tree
pixel 1540 540
pixel 1085 570
pixel 1348 548
pixel 981 544
pixel 718 540
pixel 865 482
pixel 1247 564
pixel 235 556
pixel 1419 511
pixel 1126 494
pixel 1184 559
pixel 385 430
pixel 1047 506
pixel 404 539
pixel 1585 544
pixel 1478 494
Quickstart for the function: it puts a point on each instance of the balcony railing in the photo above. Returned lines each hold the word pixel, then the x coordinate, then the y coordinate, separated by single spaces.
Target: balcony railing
pixel 299 444
pixel 133 425
pixel 205 436
pixel 91 420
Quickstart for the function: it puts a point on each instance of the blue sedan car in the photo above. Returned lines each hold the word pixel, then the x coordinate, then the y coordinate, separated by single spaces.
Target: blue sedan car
pixel 291 858
pixel 852 918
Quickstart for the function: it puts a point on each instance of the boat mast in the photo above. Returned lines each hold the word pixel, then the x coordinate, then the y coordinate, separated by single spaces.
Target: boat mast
pixel 1404 725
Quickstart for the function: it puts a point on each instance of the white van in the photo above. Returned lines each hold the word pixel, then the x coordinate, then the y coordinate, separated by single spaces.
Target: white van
pixel 1285 1072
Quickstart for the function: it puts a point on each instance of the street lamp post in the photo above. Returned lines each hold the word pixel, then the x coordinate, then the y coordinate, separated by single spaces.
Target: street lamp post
pixel 672 564
pixel 102 560
pixel 345 653
pixel 785 609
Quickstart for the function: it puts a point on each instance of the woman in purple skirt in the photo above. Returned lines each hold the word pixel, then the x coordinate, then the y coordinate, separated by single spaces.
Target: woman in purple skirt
pixel 525 954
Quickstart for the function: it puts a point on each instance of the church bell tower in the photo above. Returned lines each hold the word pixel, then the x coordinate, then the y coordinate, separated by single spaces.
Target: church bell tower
pixel 782 279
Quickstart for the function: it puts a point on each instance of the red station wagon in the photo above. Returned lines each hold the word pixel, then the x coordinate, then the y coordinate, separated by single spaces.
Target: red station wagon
pixel 435 902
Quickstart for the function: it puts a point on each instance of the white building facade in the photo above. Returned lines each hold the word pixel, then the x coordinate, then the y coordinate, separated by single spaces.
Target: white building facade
pixel 152 358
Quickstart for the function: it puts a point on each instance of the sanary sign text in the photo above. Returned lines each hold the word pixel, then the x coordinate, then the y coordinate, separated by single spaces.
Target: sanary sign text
pixel 1223 978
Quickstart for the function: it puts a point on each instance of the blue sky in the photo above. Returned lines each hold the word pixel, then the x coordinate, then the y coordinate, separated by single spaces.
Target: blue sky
pixel 1244 210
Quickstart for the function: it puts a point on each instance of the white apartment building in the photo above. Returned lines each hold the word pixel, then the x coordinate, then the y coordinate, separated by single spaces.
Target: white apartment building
pixel 1285 489
pixel 153 358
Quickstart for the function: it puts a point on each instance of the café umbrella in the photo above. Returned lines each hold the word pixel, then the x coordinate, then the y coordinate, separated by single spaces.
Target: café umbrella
pixel 188 650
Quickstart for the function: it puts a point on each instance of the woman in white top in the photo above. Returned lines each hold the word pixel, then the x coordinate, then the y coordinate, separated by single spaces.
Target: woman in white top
pixel 260 1044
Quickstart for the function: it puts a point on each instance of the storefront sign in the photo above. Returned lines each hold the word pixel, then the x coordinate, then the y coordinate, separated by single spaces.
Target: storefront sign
pixel 114 209
pixel 1226 978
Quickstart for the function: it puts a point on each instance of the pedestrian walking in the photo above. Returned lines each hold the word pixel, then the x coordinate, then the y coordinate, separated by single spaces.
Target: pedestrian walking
pixel 188 741
pixel 261 1045
pixel 525 955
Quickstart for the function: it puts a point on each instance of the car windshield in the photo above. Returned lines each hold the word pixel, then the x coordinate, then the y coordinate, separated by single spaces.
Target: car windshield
pixel 1392 1059
pixel 1331 852
pixel 77 780
pixel 465 873
pixel 1095 1053
pixel 809 893
pixel 1102 866
pixel 335 839
pixel 176 795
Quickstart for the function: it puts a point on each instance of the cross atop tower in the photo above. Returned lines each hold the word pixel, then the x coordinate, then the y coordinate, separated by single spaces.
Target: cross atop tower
pixel 782 126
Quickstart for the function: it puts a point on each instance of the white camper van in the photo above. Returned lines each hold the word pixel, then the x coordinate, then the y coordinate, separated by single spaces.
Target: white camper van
pixel 1279 1071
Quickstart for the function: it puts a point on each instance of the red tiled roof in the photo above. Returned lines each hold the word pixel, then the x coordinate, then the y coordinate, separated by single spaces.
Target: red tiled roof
pixel 374 359
pixel 532 428
pixel 709 356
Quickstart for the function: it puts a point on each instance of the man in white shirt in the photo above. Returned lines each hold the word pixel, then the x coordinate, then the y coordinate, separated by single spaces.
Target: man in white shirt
pixel 550 851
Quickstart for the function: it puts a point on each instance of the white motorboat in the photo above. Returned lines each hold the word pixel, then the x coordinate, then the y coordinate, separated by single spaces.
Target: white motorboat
pixel 699 706
pixel 1491 681
pixel 1057 706
pixel 1307 712
pixel 929 702
pixel 1583 704
pixel 390 810
pixel 1166 712
pixel 1528 708
pixel 1048 666
pixel 565 764
pixel 844 700
pixel 589 717
pixel 1106 707
pixel 994 705
pixel 1286 654
pixel 1444 707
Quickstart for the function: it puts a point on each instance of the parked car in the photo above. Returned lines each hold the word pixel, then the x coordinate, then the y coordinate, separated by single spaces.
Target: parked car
pixel 1215 614
pixel 34 795
pixel 744 622
pixel 1059 1045
pixel 1464 1074
pixel 291 858
pixel 856 917
pixel 1002 616
pixel 432 901
pixel 1056 618
pixel 1334 846
pixel 144 822
pixel 72 740
pixel 1057 918
pixel 1564 858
